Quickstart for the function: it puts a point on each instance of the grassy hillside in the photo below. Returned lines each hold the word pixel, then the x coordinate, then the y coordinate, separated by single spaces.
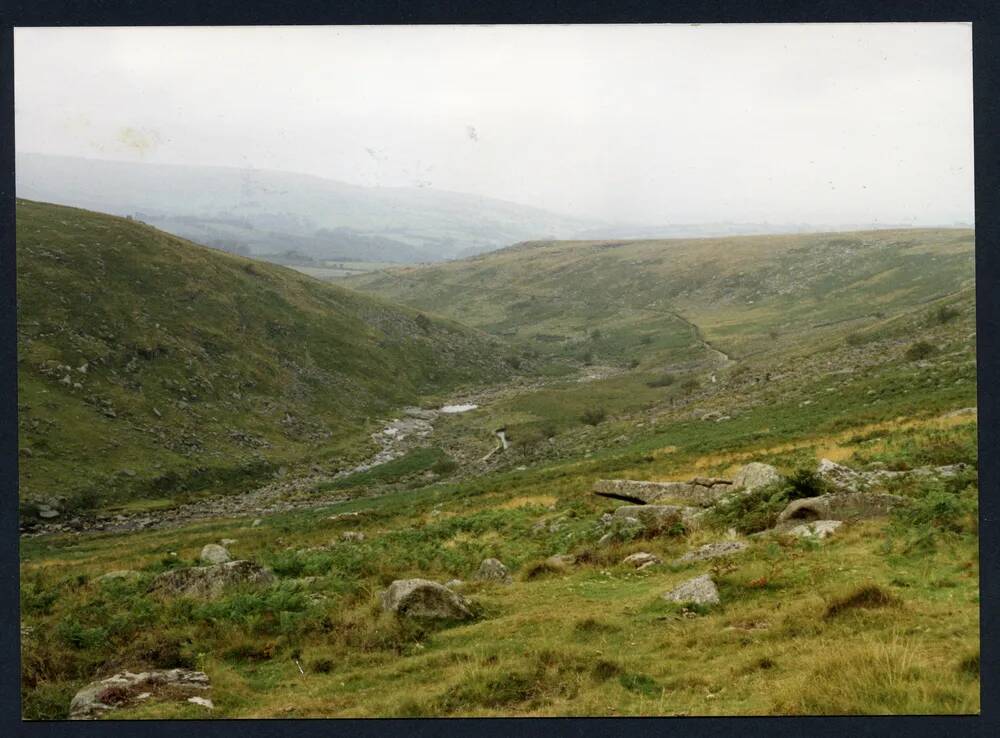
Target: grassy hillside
pixel 881 618
pixel 649 299
pixel 152 367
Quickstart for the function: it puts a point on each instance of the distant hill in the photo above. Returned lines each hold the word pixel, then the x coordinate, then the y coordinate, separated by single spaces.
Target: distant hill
pixel 138 350
pixel 653 298
pixel 268 212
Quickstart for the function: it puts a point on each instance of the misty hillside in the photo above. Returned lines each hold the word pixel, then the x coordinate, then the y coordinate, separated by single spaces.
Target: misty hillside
pixel 269 213
pixel 140 351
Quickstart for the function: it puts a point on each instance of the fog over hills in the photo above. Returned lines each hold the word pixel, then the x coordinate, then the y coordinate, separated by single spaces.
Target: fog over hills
pixel 269 212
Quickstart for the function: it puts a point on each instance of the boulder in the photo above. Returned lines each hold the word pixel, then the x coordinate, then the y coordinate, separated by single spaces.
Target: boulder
pixel 818 529
pixel 713 551
pixel 213 553
pixel 493 570
pixel 422 598
pixel 352 536
pixel 699 591
pixel 855 506
pixel 641 560
pixel 126 688
pixel 211 581
pixel 839 477
pixel 755 475
pixel 454 583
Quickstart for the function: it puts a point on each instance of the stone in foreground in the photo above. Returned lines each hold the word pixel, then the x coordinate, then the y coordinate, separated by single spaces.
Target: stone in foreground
pixel 819 529
pixel 211 581
pixel 713 551
pixel 755 475
pixel 422 598
pixel 698 591
pixel 126 688
pixel 493 570
pixel 213 553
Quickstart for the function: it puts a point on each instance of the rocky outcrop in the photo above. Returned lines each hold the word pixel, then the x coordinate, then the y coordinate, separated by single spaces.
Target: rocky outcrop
pixel 702 491
pixel 213 553
pixel 755 475
pixel 713 551
pixel 127 688
pixel 641 560
pixel 698 591
pixel 493 570
pixel 817 529
pixel 845 506
pixel 352 536
pixel 210 581
pixel 422 598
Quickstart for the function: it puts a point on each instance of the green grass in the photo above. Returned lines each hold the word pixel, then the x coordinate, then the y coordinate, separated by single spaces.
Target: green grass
pixel 202 371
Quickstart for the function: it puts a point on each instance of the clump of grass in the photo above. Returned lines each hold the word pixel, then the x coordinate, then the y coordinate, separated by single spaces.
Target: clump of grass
pixel 664 380
pixel 590 626
pixel 920 350
pixel 593 416
pixel 969 666
pixel 867 597
pixel 640 683
pixel 322 666
pixel 604 670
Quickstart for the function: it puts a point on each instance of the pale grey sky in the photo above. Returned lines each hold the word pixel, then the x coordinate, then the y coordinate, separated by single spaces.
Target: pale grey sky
pixel 839 123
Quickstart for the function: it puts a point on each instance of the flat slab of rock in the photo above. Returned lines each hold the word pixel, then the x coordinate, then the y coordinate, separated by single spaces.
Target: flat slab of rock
pixel 422 598
pixel 119 575
pixel 211 581
pixel 493 570
pixel 641 560
pixel 843 506
pixel 698 591
pixel 213 553
pixel 755 475
pixel 713 551
pixel 818 529
pixel 128 688
pixel 702 491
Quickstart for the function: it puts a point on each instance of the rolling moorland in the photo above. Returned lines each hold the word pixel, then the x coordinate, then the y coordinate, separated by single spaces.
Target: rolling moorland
pixel 648 360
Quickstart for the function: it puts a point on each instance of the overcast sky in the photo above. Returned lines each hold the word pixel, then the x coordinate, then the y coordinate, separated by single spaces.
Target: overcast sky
pixel 831 124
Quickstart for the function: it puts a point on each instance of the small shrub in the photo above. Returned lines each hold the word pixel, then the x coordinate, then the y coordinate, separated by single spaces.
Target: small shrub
pixel 969 666
pixel 867 597
pixel 604 670
pixel 423 322
pixel 444 466
pixel 690 384
pixel 920 350
pixel 593 416
pixel 807 483
pixel 664 380
pixel 640 683
pixel 945 314
pixel 322 666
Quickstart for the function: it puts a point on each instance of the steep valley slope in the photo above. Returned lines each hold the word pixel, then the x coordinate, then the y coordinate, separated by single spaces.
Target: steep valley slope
pixel 150 367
